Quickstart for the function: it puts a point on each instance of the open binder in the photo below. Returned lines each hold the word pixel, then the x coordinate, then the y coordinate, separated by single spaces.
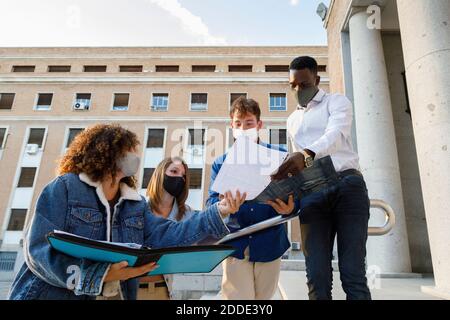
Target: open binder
pixel 193 259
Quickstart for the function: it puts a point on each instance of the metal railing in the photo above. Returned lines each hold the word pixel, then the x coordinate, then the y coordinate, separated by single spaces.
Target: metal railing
pixel 390 218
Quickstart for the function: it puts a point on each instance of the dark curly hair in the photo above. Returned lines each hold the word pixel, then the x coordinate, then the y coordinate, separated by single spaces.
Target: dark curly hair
pixel 95 151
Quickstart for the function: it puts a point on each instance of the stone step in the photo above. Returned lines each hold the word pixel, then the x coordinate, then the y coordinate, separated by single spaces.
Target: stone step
pixel 293 286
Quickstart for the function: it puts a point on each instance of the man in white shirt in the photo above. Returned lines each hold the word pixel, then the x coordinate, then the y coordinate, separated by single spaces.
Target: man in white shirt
pixel 321 126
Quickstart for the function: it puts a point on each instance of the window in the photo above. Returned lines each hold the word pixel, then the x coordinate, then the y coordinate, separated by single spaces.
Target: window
pixel 278 137
pixel 6 101
pixel 26 179
pixel 94 68
pixel 59 68
pixel 199 102
pixel 17 219
pixel 278 102
pixel 230 137
pixel 322 68
pixel 196 137
pixel 2 138
pixel 121 101
pixel 203 68
pixel 235 96
pixel 23 68
pixel 130 68
pixel 7 261
pixel 44 101
pixel 237 68
pixel 160 101
pixel 277 68
pixel 36 137
pixel 148 172
pixel 167 68
pixel 82 101
pixel 195 178
pixel 155 138
pixel 73 132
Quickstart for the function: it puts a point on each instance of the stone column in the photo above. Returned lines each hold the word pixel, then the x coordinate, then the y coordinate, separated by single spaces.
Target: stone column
pixel 377 144
pixel 425 31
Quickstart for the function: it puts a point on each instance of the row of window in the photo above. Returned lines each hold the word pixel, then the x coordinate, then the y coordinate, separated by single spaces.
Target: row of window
pixel 159 101
pixel 158 68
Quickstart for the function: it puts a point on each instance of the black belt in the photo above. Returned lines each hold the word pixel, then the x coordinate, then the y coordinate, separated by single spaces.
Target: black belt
pixel 161 284
pixel 350 172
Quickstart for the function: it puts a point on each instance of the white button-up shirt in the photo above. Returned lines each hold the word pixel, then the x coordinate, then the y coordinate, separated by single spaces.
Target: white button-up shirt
pixel 325 127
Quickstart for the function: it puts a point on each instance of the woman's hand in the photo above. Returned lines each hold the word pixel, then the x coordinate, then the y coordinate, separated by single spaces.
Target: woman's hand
pixel 229 205
pixel 120 271
pixel 282 208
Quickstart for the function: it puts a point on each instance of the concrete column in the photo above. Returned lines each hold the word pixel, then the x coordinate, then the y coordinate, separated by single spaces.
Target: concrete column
pixel 377 144
pixel 425 31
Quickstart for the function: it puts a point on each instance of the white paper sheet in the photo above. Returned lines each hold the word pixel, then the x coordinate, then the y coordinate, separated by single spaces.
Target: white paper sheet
pixel 247 168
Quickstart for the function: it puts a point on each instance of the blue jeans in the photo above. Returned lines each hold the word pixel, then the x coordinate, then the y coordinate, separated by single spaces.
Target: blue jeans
pixel 340 210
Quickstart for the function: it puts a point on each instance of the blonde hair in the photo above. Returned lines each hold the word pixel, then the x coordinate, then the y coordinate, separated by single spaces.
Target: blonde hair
pixel 155 188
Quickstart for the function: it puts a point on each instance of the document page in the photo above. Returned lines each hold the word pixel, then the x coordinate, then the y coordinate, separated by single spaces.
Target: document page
pixel 247 168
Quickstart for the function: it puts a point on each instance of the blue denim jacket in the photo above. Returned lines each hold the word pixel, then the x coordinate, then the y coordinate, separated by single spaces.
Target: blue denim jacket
pixel 265 246
pixel 72 205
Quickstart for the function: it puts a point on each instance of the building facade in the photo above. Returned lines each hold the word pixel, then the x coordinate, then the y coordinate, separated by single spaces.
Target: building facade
pixel 175 99
pixel 391 58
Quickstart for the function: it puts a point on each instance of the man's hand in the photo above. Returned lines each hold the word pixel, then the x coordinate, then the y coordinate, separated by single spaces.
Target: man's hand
pixel 292 166
pixel 121 271
pixel 282 208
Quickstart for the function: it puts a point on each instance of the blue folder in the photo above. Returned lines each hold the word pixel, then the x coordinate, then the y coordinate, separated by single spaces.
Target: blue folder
pixel 193 259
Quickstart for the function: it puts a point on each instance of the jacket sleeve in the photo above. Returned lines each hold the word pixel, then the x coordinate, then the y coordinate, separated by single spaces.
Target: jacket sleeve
pixel 82 276
pixel 213 196
pixel 160 233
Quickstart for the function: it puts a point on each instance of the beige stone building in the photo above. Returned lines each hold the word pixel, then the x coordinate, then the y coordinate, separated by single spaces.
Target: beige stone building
pixel 176 100
pixel 391 58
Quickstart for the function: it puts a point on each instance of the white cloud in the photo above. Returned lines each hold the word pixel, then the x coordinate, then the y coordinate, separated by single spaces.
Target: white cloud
pixel 294 2
pixel 190 22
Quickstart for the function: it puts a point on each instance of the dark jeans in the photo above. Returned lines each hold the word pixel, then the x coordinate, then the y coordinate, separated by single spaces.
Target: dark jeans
pixel 340 210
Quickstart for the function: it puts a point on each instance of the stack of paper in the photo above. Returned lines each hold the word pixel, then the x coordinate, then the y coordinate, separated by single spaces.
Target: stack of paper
pixel 247 168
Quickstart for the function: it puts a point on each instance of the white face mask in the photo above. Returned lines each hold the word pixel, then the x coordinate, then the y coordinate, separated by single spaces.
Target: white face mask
pixel 129 165
pixel 252 134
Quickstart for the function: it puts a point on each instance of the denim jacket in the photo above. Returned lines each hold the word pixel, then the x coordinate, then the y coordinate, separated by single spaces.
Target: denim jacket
pixel 265 246
pixel 75 204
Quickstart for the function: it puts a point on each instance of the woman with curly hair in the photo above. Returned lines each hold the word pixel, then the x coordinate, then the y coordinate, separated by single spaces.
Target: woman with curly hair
pixel 95 196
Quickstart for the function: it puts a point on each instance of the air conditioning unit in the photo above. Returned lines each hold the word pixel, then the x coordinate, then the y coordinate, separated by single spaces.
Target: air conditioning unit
pixel 32 148
pixel 80 106
pixel 197 152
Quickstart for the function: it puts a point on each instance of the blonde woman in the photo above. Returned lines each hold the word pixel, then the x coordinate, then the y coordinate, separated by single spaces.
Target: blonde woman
pixel 167 192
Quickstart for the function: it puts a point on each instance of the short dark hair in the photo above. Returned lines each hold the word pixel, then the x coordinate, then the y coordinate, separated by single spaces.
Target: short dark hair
pixel 305 62
pixel 245 106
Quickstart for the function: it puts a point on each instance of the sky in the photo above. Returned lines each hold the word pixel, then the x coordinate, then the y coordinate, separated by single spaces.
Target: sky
pixel 49 23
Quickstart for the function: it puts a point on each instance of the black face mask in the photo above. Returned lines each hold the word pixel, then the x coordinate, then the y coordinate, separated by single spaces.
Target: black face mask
pixel 174 185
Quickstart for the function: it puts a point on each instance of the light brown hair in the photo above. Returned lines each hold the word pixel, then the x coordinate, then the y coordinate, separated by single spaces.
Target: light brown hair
pixel 244 106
